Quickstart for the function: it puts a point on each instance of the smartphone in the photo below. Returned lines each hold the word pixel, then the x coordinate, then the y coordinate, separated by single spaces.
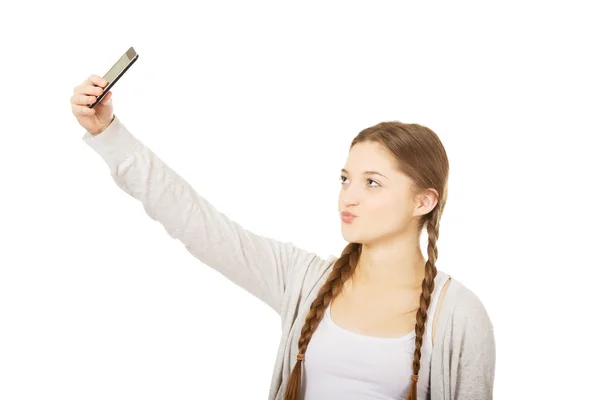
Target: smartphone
pixel 117 71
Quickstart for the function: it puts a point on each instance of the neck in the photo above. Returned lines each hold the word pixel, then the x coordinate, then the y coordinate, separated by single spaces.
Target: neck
pixel 396 264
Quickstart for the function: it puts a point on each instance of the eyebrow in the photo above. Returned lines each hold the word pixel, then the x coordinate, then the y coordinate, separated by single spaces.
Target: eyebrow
pixel 368 173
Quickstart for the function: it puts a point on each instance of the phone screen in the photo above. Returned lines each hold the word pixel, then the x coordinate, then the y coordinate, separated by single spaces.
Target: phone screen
pixel 116 71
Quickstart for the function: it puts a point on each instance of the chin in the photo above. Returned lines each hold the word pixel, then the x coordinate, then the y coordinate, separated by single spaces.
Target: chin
pixel 350 237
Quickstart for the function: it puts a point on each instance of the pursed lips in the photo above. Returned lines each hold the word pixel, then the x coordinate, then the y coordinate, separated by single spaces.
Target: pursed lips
pixel 347 217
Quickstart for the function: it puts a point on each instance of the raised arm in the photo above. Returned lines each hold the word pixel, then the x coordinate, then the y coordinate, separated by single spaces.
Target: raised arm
pixel 256 263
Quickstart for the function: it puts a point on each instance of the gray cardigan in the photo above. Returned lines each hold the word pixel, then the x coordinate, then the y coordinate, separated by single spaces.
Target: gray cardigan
pixel 285 277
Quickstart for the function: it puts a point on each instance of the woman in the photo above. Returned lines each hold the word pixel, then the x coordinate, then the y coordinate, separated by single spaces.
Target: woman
pixel 347 321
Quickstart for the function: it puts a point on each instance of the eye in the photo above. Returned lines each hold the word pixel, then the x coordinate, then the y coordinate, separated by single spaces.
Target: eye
pixel 371 180
pixel 342 177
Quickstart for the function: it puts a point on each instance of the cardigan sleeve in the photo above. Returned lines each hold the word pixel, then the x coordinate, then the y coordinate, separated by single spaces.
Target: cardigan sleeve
pixel 256 263
pixel 477 352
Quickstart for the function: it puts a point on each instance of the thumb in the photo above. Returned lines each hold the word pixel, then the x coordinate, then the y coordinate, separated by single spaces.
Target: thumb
pixel 107 100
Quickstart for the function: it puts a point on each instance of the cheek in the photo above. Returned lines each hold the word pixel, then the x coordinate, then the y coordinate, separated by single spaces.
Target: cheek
pixel 388 215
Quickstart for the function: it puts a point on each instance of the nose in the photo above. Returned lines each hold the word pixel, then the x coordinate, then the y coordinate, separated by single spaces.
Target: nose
pixel 348 202
pixel 350 195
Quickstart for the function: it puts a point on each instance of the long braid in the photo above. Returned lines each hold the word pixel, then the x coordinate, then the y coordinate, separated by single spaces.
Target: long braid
pixel 342 270
pixel 428 287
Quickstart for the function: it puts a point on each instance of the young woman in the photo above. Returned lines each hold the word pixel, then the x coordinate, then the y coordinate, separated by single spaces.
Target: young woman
pixel 378 322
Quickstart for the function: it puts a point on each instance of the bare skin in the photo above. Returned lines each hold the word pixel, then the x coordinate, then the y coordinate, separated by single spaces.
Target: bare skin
pixel 94 120
pixel 382 297
pixel 373 313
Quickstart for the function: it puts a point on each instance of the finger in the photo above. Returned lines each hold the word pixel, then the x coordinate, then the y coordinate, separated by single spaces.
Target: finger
pixel 97 80
pixel 88 89
pixel 82 110
pixel 82 99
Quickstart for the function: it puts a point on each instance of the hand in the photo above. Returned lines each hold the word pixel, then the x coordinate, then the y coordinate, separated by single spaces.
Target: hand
pixel 94 120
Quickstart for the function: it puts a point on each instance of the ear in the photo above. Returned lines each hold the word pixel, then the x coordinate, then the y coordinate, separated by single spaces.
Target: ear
pixel 425 201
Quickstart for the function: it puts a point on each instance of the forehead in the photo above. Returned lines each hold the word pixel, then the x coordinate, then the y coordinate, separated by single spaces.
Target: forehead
pixel 370 155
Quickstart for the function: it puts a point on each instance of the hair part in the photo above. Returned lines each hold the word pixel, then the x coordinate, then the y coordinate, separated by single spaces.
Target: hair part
pixel 420 154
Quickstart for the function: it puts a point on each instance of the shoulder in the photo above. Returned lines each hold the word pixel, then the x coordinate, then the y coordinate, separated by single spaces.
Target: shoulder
pixel 466 301
pixel 464 309
pixel 467 343
pixel 307 276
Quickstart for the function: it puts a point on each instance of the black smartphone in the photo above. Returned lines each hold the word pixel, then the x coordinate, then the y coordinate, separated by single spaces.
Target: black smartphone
pixel 117 71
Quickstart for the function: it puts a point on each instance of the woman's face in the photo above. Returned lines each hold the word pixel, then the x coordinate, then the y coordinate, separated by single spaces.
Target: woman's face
pixel 381 199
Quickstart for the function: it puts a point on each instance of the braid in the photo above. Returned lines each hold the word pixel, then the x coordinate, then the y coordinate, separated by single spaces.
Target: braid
pixel 341 271
pixel 428 286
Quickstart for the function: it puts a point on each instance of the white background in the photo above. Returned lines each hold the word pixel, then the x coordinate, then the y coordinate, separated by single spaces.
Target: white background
pixel 255 104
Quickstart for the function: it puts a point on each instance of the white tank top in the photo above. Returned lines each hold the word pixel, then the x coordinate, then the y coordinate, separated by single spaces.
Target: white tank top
pixel 341 364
